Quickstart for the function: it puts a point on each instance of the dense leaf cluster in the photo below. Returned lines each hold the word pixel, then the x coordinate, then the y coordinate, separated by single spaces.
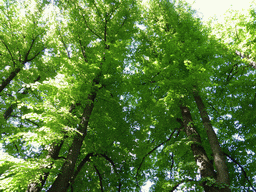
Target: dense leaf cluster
pixel 108 95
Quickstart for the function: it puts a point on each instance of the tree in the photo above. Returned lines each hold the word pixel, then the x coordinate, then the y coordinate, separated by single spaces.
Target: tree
pixel 106 95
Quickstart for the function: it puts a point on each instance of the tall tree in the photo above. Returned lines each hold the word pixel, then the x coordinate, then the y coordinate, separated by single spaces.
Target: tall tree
pixel 106 95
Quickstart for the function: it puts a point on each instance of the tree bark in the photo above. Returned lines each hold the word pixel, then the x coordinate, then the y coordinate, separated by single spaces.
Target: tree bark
pixel 218 156
pixel 205 166
pixel 61 183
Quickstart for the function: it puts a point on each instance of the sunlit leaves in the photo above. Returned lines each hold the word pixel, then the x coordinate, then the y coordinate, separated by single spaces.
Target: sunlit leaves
pixel 142 61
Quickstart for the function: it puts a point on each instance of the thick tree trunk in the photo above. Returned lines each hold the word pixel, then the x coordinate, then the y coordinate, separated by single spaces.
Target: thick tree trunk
pixel 205 166
pixel 61 183
pixel 218 156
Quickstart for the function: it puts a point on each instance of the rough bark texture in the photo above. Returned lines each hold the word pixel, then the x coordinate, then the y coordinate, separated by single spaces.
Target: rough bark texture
pixel 218 156
pixel 61 183
pixel 205 166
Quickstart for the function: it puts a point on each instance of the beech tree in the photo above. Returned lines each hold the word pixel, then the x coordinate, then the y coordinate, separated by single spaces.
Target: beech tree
pixel 108 95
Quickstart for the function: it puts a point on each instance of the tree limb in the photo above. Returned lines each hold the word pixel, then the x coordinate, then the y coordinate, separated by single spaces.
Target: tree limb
pixel 100 177
pixel 143 159
pixel 244 172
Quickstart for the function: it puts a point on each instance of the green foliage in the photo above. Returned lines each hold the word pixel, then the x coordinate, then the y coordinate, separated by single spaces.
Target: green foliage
pixel 142 61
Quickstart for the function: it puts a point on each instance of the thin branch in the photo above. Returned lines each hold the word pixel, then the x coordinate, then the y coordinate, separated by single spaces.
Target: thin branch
pixel 87 159
pixel 105 31
pixel 100 177
pixel 89 27
pixel 251 63
pixel 143 159
pixel 109 160
pixel 172 162
pixel 237 34
pixel 215 110
pixel 31 46
pixel 8 80
pixel 64 44
pixel 10 109
pixel 32 122
pixel 17 149
pixel 34 56
pixel 80 166
pixel 177 185
pixel 230 77
pixel 9 52
pixel 113 164
pixel 244 172
pixel 82 49
pixel 114 9
pixel 94 3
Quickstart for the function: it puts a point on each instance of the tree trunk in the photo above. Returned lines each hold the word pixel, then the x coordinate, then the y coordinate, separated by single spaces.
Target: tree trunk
pixel 205 166
pixel 218 156
pixel 61 183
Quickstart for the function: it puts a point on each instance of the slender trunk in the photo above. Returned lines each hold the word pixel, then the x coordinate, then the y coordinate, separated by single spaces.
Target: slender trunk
pixel 61 183
pixel 218 156
pixel 205 166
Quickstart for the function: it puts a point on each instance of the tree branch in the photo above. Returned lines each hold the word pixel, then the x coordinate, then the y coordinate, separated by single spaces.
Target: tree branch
pixel 143 159
pixel 10 109
pixel 100 177
pixel 244 172
pixel 64 44
pixel 9 52
pixel 251 62
pixel 177 185
pixel 33 41
pixel 9 79
pixel 35 55
pixel 82 49
pixel 89 27
pixel 87 159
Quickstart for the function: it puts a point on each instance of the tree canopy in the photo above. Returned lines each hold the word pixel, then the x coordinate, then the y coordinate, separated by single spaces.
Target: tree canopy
pixel 108 95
